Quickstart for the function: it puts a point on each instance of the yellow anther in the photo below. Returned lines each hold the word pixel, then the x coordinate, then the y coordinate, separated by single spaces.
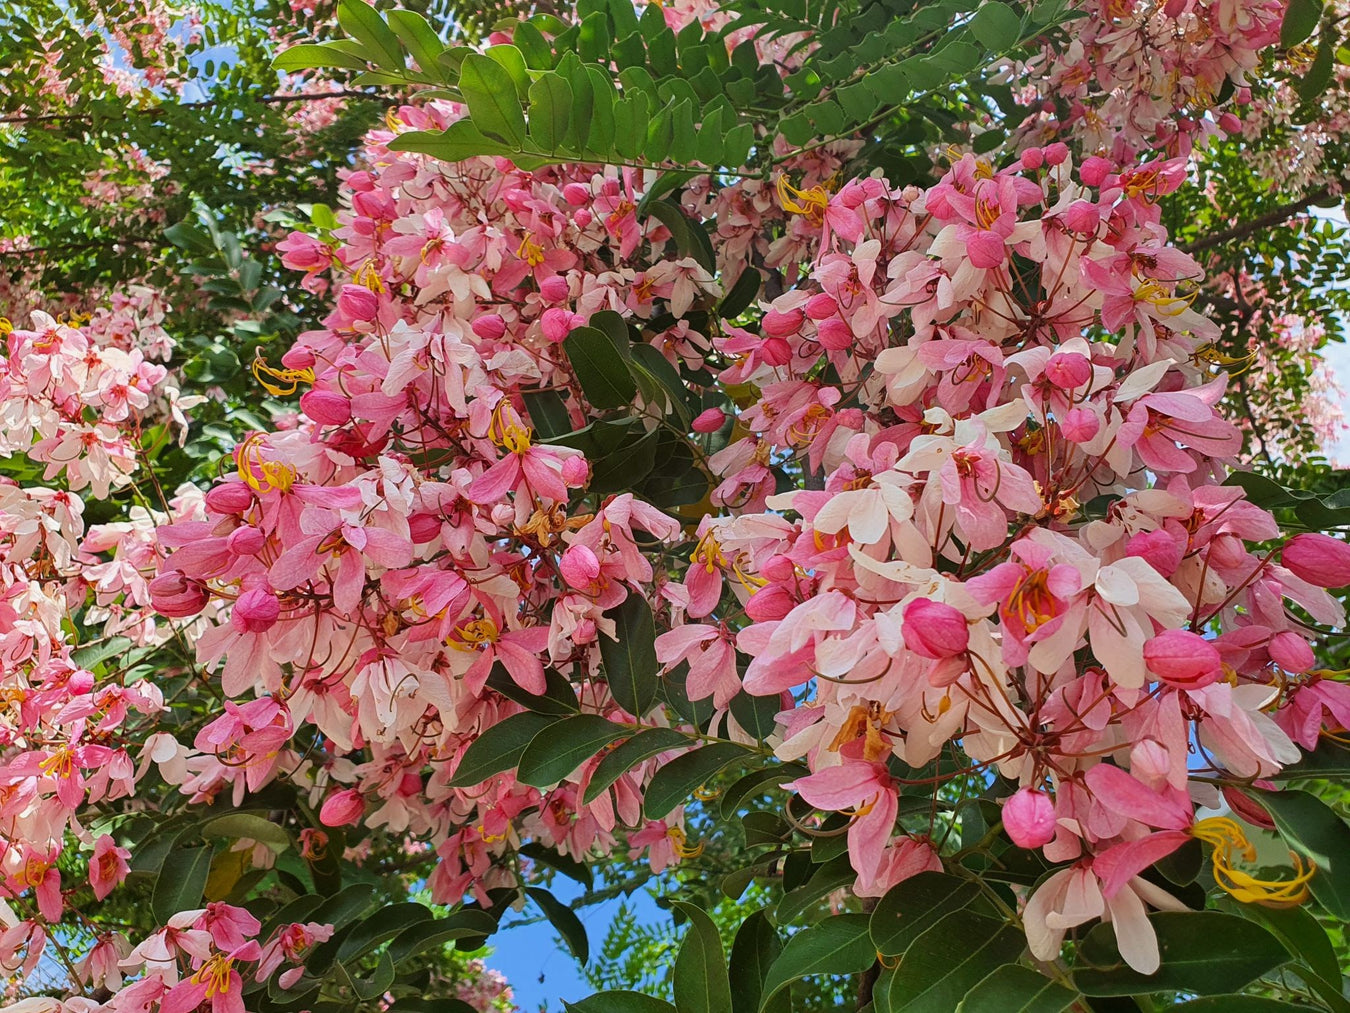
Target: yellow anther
pixel 708 553
pixel 60 764
pixel 368 276
pixel 477 631
pixel 258 473
pixel 1168 304
pixel 286 381
pixel 215 974
pixel 1231 844
pixel 1211 356
pixel 506 431
pixel 530 252
pixel 810 203
pixel 5 326
pixel 681 844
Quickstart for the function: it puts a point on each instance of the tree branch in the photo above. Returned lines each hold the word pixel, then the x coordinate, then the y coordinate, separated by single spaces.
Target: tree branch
pixel 151 110
pixel 1260 223
pixel 93 244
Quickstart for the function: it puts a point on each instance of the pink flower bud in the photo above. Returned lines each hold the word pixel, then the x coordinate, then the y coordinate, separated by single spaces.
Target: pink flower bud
pixel 229 498
pixel 1227 550
pixel 709 421
pixel 1158 548
pixel 821 305
pixel 1244 806
pixel 933 629
pixel 326 407
pixel 489 327
pixel 557 323
pixel 777 324
pixel 1083 217
pixel 342 808
pixel 176 596
pixel 255 611
pixel 1033 158
pixel 778 567
pixel 576 472
pixel 1029 818
pixel 1094 170
pixel 1183 659
pixel 579 567
pixel 1068 370
pixel 356 302
pixel 775 352
pixel 1079 425
pixel 582 217
pixel 1057 153
pixel 553 289
pixel 423 528
pixel 298 357
pixel 246 541
pixel 576 194
pixel 1230 124
pixel 1318 559
pixel 834 334
pixel 1243 96
pixel 770 603
pixel 1291 652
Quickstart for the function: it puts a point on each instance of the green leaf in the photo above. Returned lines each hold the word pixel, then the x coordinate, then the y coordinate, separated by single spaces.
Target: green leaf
pixel 510 59
pixel 630 659
pixel 567 745
pixel 455 143
pixel 565 864
pixel 467 923
pixel 642 746
pixel 422 42
pixel 565 920
pixel 548 413
pixel 756 714
pixel 838 945
pixel 1236 1004
pixel 490 92
pixel 945 962
pixel 996 26
pixel 550 111
pixel 740 295
pixel 1302 934
pixel 673 783
pixel 378 983
pixel 1016 989
pixel 753 952
pixel 499 748
pixel 533 46
pixel 559 697
pixel 345 906
pixel 600 138
pixel 824 881
pixel 619 1001
pixel 603 376
pixel 420 1005
pixel 1300 21
pixel 180 882
pixel 1313 829
pixel 310 56
pixel 690 237
pixel 247 825
pixel 631 117
pixel 700 980
pixel 1204 952
pixel 736 145
pixel 362 23
pixel 381 926
pixel 912 907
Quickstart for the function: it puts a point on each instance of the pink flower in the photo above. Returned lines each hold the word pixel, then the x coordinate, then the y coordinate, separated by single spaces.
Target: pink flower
pixel 1319 559
pixel 108 866
pixel 1029 818
pixel 709 421
pixel 255 611
pixel 1183 659
pixel 178 596
pixel 865 789
pixel 934 629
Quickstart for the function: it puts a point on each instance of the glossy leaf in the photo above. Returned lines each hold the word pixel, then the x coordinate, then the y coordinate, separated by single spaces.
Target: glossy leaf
pixel 1204 952
pixel 619 1001
pixel 565 920
pixel 915 905
pixel 362 23
pixel 838 945
pixel 1300 21
pixel 499 748
pixel 1017 989
pixel 645 744
pixel 700 978
pixel 674 783
pixel 946 961
pixel 602 375
pixel 630 659
pixel 180 882
pixel 490 92
pixel 569 743
pixel 753 952
pixel 1313 829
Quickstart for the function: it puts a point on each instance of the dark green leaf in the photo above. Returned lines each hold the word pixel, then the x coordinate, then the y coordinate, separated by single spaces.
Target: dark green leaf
pixel 499 748
pixel 945 962
pixel 567 745
pixel 565 864
pixel 630 659
pixel 250 826
pixel 1235 1004
pixel 1204 952
pixel 674 783
pixel 565 920
pixel 619 1001
pixel 642 746
pixel 996 26
pixel 1300 21
pixel 916 905
pixel 180 882
pixel 467 923
pixel 1016 989
pixel 740 295
pixel 753 952
pixel 558 698
pixel 383 925
pixel 603 376
pixel 700 979
pixel 1302 934
pixel 838 945
pixel 420 1005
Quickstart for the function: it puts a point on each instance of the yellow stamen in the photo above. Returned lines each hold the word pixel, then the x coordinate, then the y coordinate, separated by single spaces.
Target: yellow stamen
pixel 1229 840
pixel 60 764
pixel 476 631
pixel 287 380
pixel 708 553
pixel 5 326
pixel 681 845
pixel 810 203
pixel 368 276
pixel 1168 304
pixel 530 252
pixel 508 433
pixel 258 473
pixel 215 973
